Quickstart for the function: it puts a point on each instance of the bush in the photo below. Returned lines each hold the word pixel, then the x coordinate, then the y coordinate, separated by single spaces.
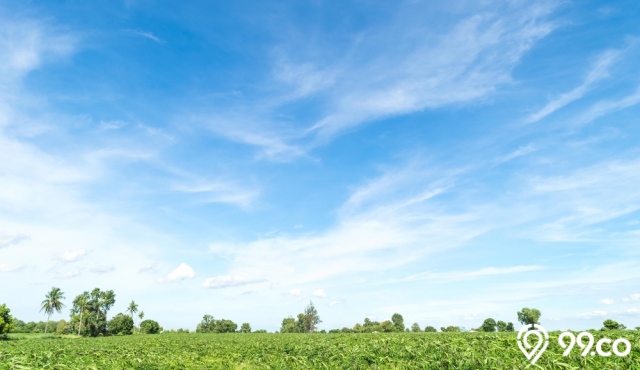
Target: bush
pixel 6 321
pixel 150 327
pixel 120 324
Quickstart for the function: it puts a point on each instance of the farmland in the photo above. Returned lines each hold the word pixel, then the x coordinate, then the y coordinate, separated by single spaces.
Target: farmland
pixel 300 351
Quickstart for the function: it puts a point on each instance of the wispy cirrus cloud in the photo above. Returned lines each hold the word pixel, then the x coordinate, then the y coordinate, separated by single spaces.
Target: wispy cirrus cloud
pixel 10 239
pixel 599 71
pixel 464 64
pixel 605 107
pixel 224 281
pixel 38 42
pixel 4 267
pixel 221 192
pixel 103 269
pixel 146 34
pixel 463 275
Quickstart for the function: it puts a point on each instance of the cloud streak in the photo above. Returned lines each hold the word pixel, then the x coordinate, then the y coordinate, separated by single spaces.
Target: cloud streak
pixel 10 239
pixel 599 71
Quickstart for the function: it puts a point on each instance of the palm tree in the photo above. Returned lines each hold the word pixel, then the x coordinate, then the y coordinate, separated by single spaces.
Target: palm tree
pixel 52 303
pixel 141 316
pixel 133 308
pixel 81 302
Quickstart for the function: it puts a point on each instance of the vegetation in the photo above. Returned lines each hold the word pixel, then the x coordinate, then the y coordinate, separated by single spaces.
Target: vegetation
pixel 210 325
pixel 150 327
pixel 529 316
pixel 6 320
pixel 302 351
pixel 306 322
pixel 89 312
pixel 612 325
pixel 121 324
pixel 52 303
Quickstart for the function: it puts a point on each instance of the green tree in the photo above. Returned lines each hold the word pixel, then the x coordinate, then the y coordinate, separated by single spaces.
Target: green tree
pixel 150 327
pixel 311 318
pixel 120 324
pixel 225 326
pixel 611 325
pixel 529 316
pixel 489 325
pixel 510 326
pixel 430 329
pixel 62 327
pixel 415 328
pixel 80 304
pixel 501 326
pixel 132 309
pixel 141 316
pixel 398 322
pixel 90 310
pixel 451 329
pixel 386 327
pixel 289 325
pixel 207 325
pixel 357 328
pixel 6 321
pixel 245 328
pixel 52 303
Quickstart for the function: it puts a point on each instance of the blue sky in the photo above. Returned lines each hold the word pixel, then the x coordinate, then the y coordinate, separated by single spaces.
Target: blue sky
pixel 450 162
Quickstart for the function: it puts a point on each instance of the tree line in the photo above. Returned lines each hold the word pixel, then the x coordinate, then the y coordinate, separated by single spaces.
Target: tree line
pixel 88 317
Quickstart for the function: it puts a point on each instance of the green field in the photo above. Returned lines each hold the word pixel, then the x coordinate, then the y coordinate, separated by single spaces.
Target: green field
pixel 300 351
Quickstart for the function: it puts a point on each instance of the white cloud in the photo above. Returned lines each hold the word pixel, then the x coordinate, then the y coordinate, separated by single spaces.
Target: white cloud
pixel 295 292
pixel 466 63
pixel 103 269
pixel 462 275
pixel 10 268
pixel 319 293
pixel 632 311
pixel 607 301
pixel 602 108
pixel 181 272
pixel 67 275
pixel 521 151
pixel 219 192
pixel 225 281
pixel 631 298
pixel 112 125
pixel 70 256
pixel 592 314
pixel 9 239
pixel 150 266
pixel 598 72
pixel 333 303
pixel 147 35
pixel 25 44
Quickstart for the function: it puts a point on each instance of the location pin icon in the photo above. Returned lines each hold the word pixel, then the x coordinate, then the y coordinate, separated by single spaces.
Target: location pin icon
pixel 533 352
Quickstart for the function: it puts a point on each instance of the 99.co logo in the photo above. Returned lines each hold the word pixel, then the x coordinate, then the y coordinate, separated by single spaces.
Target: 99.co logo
pixel 586 347
pixel 604 347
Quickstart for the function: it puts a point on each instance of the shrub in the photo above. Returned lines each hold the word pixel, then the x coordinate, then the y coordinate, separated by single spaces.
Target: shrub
pixel 150 327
